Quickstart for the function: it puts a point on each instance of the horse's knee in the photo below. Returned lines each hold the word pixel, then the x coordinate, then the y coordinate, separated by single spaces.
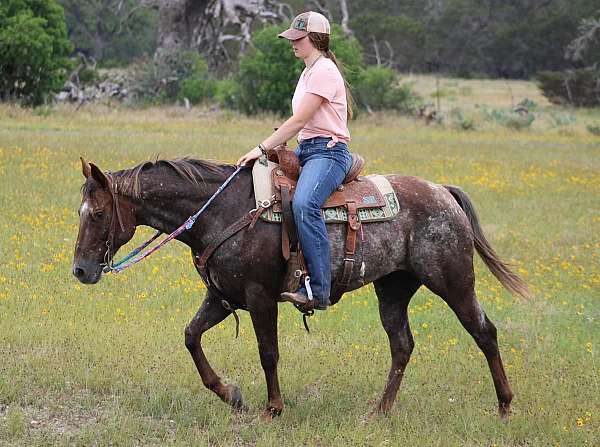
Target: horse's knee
pixel 191 338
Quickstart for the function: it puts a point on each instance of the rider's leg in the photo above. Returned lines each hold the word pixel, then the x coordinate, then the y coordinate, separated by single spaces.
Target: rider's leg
pixel 323 170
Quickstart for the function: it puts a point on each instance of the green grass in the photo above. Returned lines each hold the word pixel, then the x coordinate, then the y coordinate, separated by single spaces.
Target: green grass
pixel 106 364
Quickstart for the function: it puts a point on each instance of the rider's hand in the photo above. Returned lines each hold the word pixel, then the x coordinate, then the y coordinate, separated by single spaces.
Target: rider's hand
pixel 246 159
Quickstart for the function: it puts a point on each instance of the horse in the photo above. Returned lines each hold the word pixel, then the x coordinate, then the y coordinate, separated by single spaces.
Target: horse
pixel 430 242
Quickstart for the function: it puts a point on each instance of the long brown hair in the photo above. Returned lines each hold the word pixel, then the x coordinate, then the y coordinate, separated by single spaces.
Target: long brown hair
pixel 321 43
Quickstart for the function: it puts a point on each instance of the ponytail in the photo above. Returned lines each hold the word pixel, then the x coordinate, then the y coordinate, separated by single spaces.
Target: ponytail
pixel 349 99
pixel 321 43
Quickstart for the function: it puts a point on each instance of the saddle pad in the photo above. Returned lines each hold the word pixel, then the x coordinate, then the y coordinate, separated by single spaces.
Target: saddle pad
pixel 262 174
pixel 361 191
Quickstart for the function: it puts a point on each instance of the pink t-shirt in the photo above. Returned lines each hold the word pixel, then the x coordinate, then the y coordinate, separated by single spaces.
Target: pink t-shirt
pixel 324 79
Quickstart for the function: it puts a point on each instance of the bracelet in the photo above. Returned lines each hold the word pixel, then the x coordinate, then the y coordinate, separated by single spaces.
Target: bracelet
pixel 262 149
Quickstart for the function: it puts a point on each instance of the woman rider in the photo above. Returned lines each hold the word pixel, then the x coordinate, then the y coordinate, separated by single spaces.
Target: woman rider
pixel 321 108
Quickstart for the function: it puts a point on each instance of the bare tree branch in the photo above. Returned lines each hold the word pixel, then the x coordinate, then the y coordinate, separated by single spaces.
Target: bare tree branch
pixel 345 17
pixel 376 48
pixel 588 33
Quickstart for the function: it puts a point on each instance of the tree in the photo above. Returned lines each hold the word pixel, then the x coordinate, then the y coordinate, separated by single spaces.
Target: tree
pixel 586 46
pixel 218 29
pixel 33 49
pixel 112 29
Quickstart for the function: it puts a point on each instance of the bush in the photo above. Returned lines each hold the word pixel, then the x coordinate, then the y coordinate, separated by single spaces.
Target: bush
pixel 378 88
pixel 509 119
pixel 268 73
pixel 460 121
pixel 561 119
pixel 197 86
pixel 594 129
pixel 182 74
pixel 33 50
pixel 227 93
pixel 580 88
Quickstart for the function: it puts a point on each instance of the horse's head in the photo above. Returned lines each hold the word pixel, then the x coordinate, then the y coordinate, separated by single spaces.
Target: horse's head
pixel 105 224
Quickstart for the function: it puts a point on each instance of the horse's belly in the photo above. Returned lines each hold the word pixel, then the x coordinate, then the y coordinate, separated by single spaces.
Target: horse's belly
pixel 380 249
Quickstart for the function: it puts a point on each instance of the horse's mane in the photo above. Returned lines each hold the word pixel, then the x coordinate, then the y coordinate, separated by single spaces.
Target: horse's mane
pixel 127 181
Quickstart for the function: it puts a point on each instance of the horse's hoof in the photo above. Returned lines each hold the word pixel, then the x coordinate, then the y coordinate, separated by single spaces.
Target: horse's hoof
pixel 234 397
pixel 383 408
pixel 504 411
pixel 270 413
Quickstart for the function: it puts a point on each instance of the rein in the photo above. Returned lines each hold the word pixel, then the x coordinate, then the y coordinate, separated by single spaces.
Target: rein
pixel 132 257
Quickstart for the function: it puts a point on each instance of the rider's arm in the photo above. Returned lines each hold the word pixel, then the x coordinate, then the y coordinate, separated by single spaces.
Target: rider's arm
pixel 309 104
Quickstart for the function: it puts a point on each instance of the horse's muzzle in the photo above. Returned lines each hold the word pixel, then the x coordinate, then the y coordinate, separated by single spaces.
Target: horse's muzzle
pixel 86 273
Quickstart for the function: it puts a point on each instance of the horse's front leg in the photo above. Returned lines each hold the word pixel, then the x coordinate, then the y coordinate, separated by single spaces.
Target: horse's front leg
pixel 264 319
pixel 210 313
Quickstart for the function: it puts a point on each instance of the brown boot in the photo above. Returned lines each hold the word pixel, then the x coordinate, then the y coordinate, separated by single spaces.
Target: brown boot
pixel 301 301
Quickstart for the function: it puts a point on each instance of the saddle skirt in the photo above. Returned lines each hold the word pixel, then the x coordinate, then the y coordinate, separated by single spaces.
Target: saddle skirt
pixel 373 195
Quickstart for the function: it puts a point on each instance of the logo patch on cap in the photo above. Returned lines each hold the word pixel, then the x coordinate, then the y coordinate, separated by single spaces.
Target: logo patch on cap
pixel 300 23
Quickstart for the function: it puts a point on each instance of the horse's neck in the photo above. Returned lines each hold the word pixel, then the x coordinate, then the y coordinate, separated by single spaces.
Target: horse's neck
pixel 169 202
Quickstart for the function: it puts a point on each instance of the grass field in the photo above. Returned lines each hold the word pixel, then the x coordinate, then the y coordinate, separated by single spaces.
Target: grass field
pixel 106 364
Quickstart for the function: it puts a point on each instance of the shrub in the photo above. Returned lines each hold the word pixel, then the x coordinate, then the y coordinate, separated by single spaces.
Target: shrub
pixel 378 88
pixel 33 50
pixel 594 129
pixel 460 121
pixel 518 122
pixel 183 74
pixel 268 73
pixel 580 88
pixel 509 119
pixel 528 104
pixel 227 92
pixel 561 119
pixel 197 86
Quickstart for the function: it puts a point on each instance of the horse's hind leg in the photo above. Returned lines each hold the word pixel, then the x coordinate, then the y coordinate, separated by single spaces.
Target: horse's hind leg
pixel 210 313
pixel 452 278
pixel 475 321
pixel 394 292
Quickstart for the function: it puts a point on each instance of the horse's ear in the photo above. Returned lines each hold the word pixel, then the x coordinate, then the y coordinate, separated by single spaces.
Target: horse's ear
pixel 99 176
pixel 85 168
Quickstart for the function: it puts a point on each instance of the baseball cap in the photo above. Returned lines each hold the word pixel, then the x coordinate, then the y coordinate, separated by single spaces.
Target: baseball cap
pixel 307 22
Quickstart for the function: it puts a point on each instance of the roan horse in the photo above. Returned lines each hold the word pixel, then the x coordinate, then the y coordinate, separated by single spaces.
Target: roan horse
pixel 430 242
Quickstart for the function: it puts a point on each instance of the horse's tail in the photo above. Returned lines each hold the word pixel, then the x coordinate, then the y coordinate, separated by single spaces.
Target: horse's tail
pixel 499 269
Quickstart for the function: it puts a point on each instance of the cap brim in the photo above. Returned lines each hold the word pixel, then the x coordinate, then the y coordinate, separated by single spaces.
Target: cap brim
pixel 293 34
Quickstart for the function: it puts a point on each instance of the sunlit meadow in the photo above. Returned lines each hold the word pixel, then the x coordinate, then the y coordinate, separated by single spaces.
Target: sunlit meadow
pixel 106 364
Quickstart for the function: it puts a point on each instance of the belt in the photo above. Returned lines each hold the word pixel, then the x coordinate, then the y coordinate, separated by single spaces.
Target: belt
pixel 333 140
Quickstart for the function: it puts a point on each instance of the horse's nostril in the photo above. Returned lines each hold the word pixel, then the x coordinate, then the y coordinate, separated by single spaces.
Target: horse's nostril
pixel 78 272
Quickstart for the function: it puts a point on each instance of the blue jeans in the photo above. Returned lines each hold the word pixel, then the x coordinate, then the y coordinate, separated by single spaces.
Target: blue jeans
pixel 323 170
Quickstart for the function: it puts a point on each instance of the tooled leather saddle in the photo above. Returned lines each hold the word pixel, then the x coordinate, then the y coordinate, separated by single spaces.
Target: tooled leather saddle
pixel 355 194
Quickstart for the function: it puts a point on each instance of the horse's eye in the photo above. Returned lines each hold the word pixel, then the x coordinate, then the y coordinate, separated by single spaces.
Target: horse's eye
pixel 98 214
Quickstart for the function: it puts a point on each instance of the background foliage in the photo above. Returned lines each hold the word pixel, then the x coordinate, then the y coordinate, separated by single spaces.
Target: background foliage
pixel 33 49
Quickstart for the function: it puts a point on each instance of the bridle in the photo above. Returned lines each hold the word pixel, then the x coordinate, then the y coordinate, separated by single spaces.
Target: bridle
pixel 132 257
pixel 110 242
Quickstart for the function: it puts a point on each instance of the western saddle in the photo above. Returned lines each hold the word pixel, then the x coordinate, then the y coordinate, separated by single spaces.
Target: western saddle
pixel 354 194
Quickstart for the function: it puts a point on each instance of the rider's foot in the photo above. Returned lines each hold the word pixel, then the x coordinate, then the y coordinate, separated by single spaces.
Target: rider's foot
pixel 302 301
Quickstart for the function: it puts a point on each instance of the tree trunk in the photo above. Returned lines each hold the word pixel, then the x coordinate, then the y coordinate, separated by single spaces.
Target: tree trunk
pixel 215 28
